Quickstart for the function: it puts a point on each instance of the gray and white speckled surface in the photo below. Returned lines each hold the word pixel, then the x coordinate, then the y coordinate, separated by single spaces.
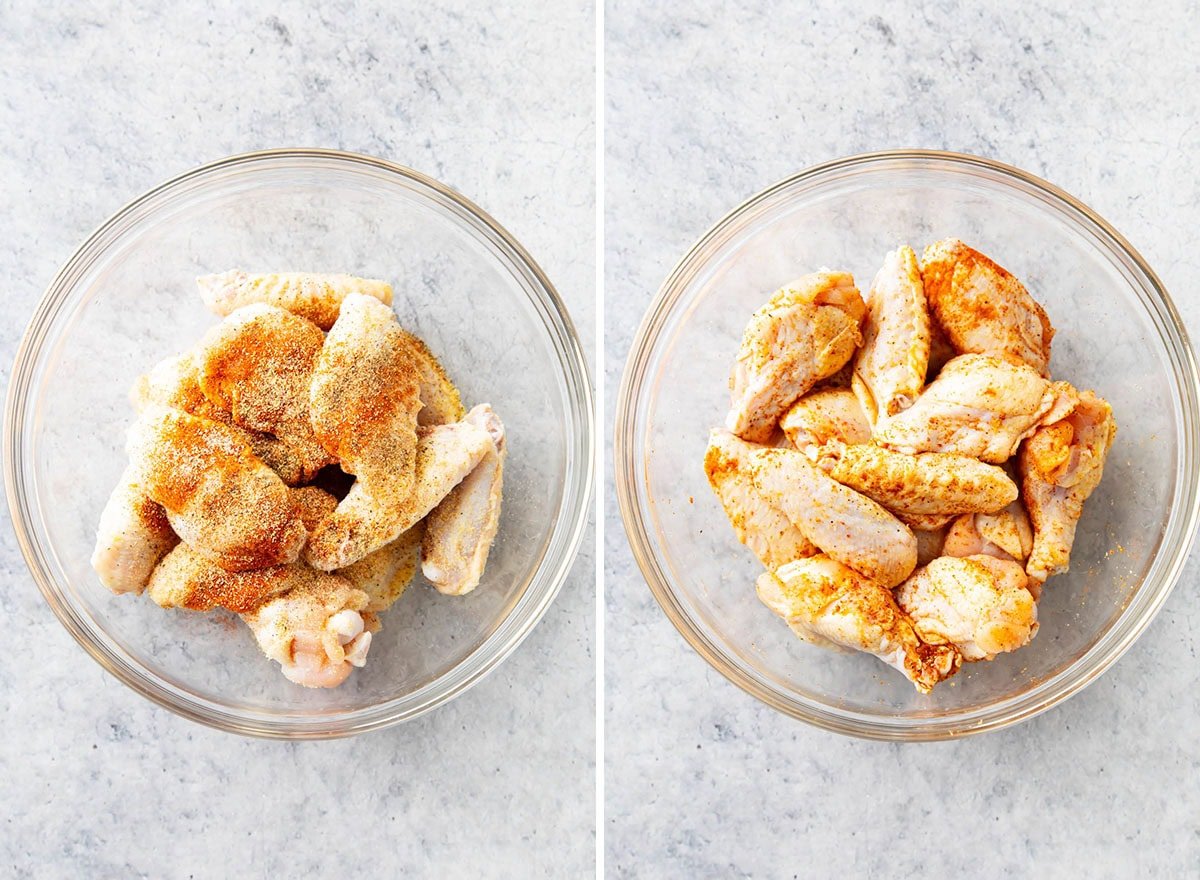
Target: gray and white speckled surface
pixel 98 103
pixel 703 110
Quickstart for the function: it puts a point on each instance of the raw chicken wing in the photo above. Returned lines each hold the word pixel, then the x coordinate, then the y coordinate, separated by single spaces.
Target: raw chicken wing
pixel 806 332
pixel 315 297
pixel 982 307
pixel 185 579
pixel 441 401
pixel 823 415
pixel 385 574
pixel 979 405
pixel 257 364
pixel 936 483
pixel 835 603
pixel 848 526
pixel 219 497
pixel 175 382
pixel 314 631
pixel 132 537
pixel 1060 467
pixel 889 371
pixel 979 604
pixel 763 528
pixel 460 530
pixel 368 518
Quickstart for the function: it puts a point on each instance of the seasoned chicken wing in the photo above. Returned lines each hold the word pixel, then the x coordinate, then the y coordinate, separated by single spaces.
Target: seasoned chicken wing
pixel 1005 534
pixel 385 574
pixel 848 526
pixel 806 332
pixel 373 515
pixel 460 530
pixel 823 415
pixel 835 603
pixel 364 400
pixel 979 405
pixel 982 307
pixel 1061 465
pixel 765 529
pixel 132 537
pixel 979 604
pixel 218 496
pixel 315 297
pixel 258 365
pixel 175 382
pixel 314 631
pixel 889 371
pixel 185 579
pixel 441 401
pixel 931 483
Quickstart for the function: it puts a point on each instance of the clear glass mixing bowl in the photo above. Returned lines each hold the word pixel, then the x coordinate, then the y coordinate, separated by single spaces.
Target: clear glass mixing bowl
pixel 1117 333
pixel 127 298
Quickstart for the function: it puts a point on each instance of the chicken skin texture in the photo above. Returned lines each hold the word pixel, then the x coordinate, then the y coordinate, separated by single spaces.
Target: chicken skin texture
pixel 315 631
pixel 847 526
pixel 133 536
pixel 889 370
pixel 763 528
pixel 373 515
pixel 460 530
pixel 980 406
pixel 218 496
pixel 364 400
pixel 441 402
pixel 982 308
pixel 837 604
pixel 175 382
pixel 1061 465
pixel 978 604
pixel 385 574
pixel 930 544
pixel 931 483
pixel 823 415
pixel 257 365
pixel 317 298
pixel 805 333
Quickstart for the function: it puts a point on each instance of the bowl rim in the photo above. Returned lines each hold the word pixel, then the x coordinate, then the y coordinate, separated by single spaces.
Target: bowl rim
pixel 561 548
pixel 1052 691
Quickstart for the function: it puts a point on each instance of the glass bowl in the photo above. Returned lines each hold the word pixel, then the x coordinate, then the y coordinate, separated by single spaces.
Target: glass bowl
pixel 1117 333
pixel 127 298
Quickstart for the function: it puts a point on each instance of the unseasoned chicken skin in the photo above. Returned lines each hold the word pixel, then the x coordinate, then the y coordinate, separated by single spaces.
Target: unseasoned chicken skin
pixel 848 526
pixel 132 537
pixel 889 370
pixel 385 574
pixel 1061 465
pixel 369 518
pixel 806 332
pixel 258 364
pixel 314 631
pixel 765 529
pixel 838 604
pixel 979 604
pixel 982 307
pixel 315 297
pixel 931 483
pixel 460 530
pixel 218 496
pixel 826 414
pixel 979 405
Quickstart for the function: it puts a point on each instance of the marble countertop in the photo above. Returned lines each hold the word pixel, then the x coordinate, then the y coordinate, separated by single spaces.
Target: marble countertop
pixel 100 104
pixel 703 110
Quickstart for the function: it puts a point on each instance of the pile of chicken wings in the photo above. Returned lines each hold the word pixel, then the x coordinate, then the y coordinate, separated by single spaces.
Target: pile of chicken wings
pixel 904 467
